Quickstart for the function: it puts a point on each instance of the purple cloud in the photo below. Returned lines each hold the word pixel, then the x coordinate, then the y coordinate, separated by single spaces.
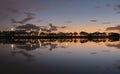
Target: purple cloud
pixel 29 16
pixel 28 27
pixel 13 10
pixel 113 28
pixel 93 20
pixel 68 21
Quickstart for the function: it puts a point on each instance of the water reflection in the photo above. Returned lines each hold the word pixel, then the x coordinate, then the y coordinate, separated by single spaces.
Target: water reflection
pixel 83 55
pixel 31 44
pixel 114 45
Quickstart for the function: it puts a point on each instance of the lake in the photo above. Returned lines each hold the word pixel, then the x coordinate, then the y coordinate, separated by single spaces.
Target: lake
pixel 35 56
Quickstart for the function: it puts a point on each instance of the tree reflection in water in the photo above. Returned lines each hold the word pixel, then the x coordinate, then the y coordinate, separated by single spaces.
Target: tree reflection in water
pixel 22 46
pixel 29 50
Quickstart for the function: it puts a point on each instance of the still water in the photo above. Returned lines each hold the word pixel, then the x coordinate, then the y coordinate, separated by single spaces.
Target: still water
pixel 39 56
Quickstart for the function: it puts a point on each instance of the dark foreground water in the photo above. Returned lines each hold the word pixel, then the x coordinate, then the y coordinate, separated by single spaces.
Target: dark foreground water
pixel 63 56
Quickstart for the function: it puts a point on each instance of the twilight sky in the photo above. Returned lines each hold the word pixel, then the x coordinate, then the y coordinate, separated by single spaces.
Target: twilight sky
pixel 78 15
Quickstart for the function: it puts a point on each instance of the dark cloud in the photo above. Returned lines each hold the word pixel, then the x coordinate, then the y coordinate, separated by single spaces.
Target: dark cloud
pixel 39 20
pixel 68 21
pixel 42 28
pixel 106 5
pixel 13 10
pixel 97 7
pixel 93 20
pixel 118 12
pixel 117 6
pixel 52 28
pixel 28 27
pixel 93 53
pixel 113 28
pixel 63 27
pixel 29 16
pixel 7 10
pixel 106 23
pixel 47 30
pixel 22 21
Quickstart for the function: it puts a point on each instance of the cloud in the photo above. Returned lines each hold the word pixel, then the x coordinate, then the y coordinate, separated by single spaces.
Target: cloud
pixel 113 28
pixel 93 20
pixel 22 21
pixel 13 10
pixel 118 12
pixel 106 23
pixel 7 10
pixel 28 27
pixel 29 16
pixel 39 20
pixel 63 27
pixel 97 7
pixel 68 21
pixel 106 5
pixel 117 7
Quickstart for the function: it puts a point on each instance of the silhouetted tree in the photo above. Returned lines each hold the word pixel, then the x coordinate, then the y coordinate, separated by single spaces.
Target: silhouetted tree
pixel 42 34
pixel 61 34
pixel 70 34
pixel 113 35
pixel 83 33
pixel 75 33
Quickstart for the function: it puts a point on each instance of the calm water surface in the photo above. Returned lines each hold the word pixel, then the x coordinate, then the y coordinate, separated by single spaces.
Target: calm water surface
pixel 59 56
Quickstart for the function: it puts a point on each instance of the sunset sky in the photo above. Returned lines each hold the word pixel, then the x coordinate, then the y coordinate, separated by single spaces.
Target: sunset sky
pixel 77 15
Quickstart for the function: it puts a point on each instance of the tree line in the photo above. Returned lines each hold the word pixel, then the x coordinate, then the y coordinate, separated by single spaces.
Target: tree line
pixel 59 34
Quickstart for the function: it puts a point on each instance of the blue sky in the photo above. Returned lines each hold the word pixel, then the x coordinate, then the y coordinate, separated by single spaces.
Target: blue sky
pixel 73 13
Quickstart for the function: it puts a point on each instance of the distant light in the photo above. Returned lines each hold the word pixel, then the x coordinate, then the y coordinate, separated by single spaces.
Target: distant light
pixel 28 31
pixel 40 44
pixel 12 29
pixel 12 45
pixel 31 45
pixel 40 30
